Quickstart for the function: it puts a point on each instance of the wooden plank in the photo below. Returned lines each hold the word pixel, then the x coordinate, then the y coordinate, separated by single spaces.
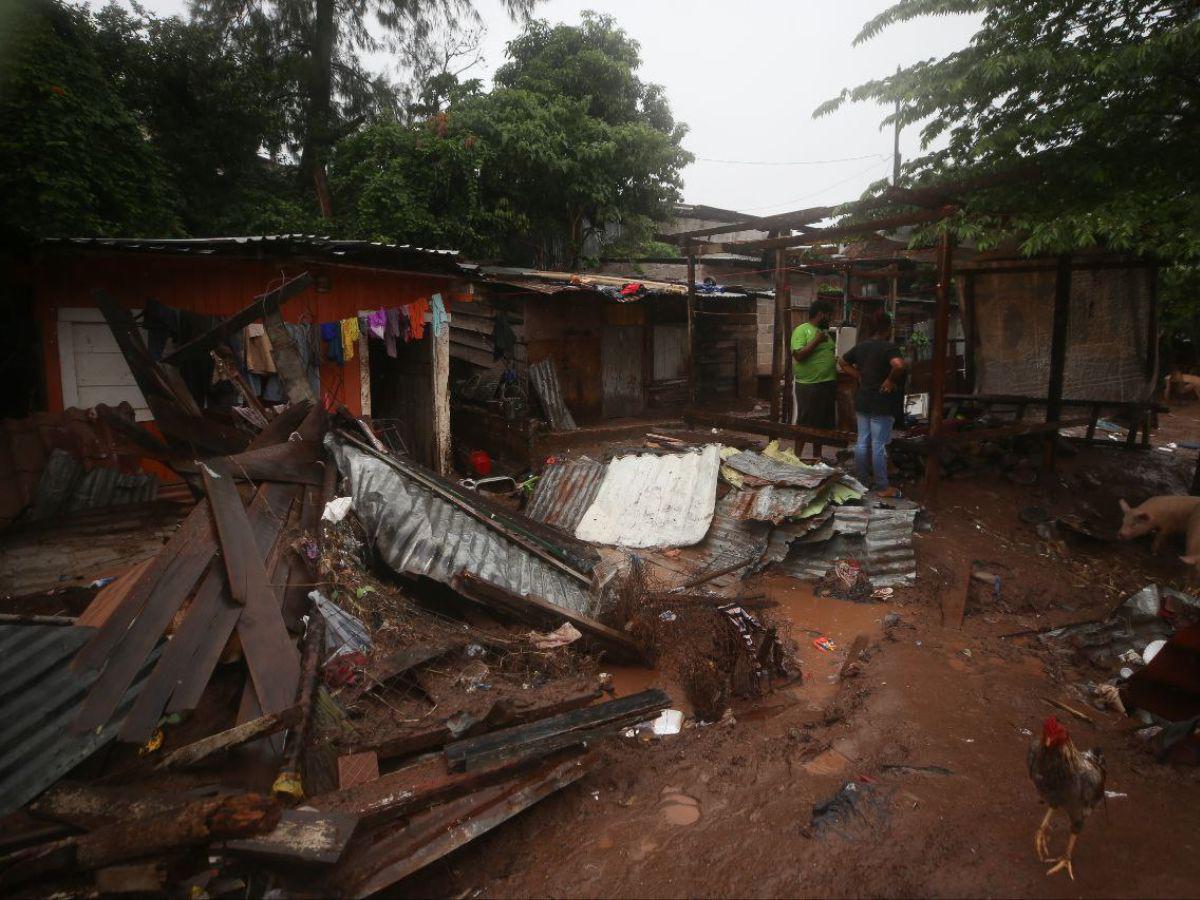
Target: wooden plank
pixel 270 652
pixel 357 768
pixel 282 426
pixel 302 836
pixel 187 561
pixel 197 752
pixel 189 659
pixel 136 878
pixel 537 610
pixel 555 733
pixel 92 806
pixel 974 435
pixel 445 828
pixel 296 462
pixel 112 595
pixel 261 306
pixel 770 429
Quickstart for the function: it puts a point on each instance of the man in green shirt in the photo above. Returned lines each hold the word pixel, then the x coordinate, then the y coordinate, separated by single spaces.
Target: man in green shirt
pixel 814 369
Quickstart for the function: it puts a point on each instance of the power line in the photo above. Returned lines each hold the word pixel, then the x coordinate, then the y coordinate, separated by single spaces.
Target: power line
pixel 876 165
pixel 799 162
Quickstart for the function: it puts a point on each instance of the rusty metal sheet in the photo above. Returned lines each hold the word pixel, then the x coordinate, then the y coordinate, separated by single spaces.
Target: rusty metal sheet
pixel 654 501
pixel 416 531
pixel 564 492
pixel 543 377
pixel 728 541
pixel 878 536
pixel 768 504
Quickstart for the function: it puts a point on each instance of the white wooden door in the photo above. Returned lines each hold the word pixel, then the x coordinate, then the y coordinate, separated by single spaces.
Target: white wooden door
pixel 93 369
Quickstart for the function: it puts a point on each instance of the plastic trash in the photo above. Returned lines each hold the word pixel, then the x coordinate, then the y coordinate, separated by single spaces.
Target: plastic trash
pixel 669 721
pixel 1151 650
pixel 336 509
pixel 667 615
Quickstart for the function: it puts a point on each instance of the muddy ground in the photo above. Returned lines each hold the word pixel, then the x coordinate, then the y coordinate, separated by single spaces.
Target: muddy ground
pixel 726 809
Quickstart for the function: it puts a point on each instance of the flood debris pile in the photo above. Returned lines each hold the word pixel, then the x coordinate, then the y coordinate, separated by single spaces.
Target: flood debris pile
pixel 1144 661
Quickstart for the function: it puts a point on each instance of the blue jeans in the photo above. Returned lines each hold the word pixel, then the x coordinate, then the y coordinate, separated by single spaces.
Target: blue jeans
pixel 870 453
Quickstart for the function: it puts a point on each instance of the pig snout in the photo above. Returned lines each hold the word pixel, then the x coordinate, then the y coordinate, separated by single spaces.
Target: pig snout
pixel 1134 526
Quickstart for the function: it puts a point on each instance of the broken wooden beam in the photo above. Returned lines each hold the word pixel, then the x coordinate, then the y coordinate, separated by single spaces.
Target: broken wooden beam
pixel 198 751
pixel 798 433
pixel 429 837
pixel 198 823
pixel 260 306
pixel 535 610
pixel 270 652
pixel 289 783
pixel 556 732
pixel 288 361
pixel 302 836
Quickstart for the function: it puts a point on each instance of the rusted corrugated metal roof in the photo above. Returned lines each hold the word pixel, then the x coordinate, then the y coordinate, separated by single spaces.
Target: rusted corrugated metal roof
pixel 543 378
pixel 565 491
pixel 39 696
pixel 768 504
pixel 727 542
pixel 779 472
pixel 880 537
pixel 654 501
pixel 418 531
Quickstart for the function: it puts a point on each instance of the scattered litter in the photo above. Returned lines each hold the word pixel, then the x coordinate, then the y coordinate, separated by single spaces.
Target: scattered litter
pixel 342 630
pixel 1151 650
pixel 560 637
pixel 336 509
pixel 824 643
pixel 669 721
pixel 884 593
pixel 1115 795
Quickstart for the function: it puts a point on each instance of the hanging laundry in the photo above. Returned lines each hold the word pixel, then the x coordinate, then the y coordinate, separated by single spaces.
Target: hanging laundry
pixel 301 335
pixel 416 317
pixel 405 324
pixel 440 318
pixel 392 331
pixel 377 323
pixel 350 335
pixel 258 350
pixel 331 334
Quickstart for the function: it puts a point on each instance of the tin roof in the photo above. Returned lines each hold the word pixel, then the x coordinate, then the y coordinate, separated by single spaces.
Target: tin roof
pixel 372 253
pixel 564 492
pixel 654 501
pixel 39 696
pixel 880 537
pixel 418 531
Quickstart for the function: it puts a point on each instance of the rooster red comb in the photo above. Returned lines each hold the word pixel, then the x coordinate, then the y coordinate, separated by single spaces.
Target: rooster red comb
pixel 1053 731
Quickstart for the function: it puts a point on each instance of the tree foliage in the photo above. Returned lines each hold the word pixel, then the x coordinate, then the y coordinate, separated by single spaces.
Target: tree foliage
pixel 73 160
pixel 1102 95
pixel 317 48
pixel 569 144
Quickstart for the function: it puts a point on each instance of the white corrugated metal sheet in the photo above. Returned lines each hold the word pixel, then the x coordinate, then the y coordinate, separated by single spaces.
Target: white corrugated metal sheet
pixel 654 501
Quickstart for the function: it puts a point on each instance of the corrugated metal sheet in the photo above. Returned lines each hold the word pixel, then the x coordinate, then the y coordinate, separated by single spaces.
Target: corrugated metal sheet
pixel 543 378
pixel 728 541
pixel 880 537
pixel 418 532
pixel 783 534
pixel 565 491
pixel 376 252
pixel 781 473
pixel 891 558
pixel 654 501
pixel 39 695
pixel 768 504
pixel 65 487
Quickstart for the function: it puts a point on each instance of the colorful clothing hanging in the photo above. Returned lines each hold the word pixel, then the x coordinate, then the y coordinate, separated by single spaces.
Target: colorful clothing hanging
pixel 331 334
pixel 416 317
pixel 439 315
pixel 350 335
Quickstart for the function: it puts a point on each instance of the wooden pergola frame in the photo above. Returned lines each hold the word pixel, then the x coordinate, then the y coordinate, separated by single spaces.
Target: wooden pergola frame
pixel 936 203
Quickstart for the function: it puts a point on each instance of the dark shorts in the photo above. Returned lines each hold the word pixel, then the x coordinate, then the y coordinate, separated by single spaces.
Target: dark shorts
pixel 816 404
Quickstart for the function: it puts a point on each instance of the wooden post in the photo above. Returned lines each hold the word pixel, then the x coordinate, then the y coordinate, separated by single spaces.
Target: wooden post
pixel 894 299
pixel 846 295
pixel 691 339
pixel 941 340
pixel 1058 350
pixel 970 331
pixel 781 343
pixel 439 368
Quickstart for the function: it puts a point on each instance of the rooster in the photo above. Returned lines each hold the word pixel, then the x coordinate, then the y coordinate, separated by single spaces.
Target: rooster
pixel 1067 780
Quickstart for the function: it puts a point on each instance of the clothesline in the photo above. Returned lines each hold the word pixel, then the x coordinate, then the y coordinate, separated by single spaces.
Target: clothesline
pixel 388 324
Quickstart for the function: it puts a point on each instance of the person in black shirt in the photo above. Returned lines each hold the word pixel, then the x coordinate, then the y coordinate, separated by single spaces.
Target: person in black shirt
pixel 877 365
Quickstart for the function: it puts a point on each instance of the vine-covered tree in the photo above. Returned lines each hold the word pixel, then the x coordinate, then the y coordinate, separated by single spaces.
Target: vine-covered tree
pixel 1102 94
pixel 73 159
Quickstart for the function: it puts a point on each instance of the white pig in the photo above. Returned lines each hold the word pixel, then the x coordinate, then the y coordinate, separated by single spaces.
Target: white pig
pixel 1164 516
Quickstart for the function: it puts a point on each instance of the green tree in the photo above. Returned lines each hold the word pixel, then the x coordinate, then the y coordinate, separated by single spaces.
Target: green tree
pixel 1102 95
pixel 210 107
pixel 73 160
pixel 568 145
pixel 317 48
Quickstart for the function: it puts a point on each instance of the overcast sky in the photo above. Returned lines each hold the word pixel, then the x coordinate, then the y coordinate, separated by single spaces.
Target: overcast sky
pixel 746 77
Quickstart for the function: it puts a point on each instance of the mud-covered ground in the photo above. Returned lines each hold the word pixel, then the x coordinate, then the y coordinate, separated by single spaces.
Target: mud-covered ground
pixel 933 732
